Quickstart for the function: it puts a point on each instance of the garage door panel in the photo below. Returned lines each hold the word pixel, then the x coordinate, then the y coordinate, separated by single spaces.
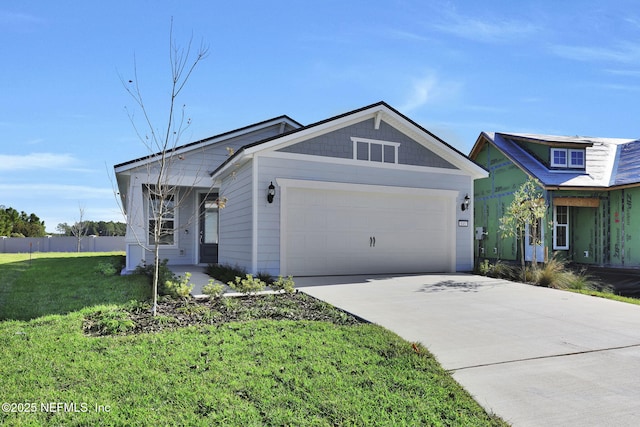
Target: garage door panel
pixel 412 233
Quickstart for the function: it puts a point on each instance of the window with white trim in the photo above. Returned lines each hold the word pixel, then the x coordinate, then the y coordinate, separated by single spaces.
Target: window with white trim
pixel 576 159
pixel 373 150
pixel 163 210
pixel 561 227
pixel 568 158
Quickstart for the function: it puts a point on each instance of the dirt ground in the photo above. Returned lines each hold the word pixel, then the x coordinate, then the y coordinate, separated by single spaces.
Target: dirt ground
pixel 624 282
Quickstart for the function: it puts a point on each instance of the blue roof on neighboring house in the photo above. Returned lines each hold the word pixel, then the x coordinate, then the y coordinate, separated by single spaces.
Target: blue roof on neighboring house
pixel 610 162
pixel 628 167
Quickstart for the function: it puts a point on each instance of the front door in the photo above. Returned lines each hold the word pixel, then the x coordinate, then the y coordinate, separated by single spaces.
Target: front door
pixel 534 242
pixel 208 228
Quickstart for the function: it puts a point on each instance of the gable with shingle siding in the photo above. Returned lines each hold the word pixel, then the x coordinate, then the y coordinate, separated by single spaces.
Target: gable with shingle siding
pixel 339 144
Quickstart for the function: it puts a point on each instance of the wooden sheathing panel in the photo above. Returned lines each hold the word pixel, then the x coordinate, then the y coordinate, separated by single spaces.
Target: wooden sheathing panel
pixel 583 202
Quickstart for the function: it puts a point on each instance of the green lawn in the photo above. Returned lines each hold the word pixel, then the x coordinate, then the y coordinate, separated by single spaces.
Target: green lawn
pixel 253 373
pixel 59 283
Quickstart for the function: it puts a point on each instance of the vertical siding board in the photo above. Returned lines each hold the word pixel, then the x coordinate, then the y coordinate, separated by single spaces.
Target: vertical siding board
pixel 236 219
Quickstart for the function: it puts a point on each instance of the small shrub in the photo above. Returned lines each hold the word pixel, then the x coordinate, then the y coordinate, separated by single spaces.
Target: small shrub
pixel 551 275
pixel 211 316
pixel 582 281
pixel 225 272
pixel 284 284
pixel 503 270
pixel 179 288
pixel 529 275
pixel 164 320
pixel 484 267
pixel 230 304
pixel 109 322
pixel 106 269
pixel 164 274
pixel 247 285
pixel 265 277
pixel 213 289
pixel 500 270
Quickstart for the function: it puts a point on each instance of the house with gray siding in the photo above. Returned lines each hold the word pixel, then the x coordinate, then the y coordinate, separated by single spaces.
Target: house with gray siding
pixel 369 191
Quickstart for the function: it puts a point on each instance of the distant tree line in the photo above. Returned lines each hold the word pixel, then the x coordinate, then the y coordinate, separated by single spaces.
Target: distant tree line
pixel 88 228
pixel 20 224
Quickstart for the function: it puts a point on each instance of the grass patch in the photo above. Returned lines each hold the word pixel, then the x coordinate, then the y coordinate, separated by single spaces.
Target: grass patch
pixel 240 373
pixel 607 295
pixel 58 283
pixel 252 373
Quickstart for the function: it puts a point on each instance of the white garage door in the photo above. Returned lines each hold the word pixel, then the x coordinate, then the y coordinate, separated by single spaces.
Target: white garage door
pixel 330 231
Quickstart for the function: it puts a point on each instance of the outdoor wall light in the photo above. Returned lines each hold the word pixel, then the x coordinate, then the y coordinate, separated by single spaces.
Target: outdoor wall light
pixel 465 205
pixel 271 192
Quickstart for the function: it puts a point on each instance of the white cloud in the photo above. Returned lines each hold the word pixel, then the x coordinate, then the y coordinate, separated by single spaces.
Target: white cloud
pixel 489 30
pixel 626 73
pixel 13 18
pixel 622 53
pixel 428 90
pixel 408 36
pixel 9 162
pixel 621 87
pixel 55 191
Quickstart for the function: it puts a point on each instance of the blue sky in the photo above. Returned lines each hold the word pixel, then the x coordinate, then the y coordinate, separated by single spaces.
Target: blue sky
pixel 455 67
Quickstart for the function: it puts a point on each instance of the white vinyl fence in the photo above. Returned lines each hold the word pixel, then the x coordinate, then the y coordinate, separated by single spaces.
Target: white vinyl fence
pixel 61 244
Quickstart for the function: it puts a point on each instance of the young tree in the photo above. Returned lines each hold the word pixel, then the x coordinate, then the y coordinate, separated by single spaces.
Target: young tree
pixel 527 209
pixel 162 192
pixel 79 229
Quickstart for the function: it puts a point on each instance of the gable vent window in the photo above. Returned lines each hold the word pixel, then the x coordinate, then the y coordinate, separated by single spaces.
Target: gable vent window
pixel 375 151
pixel 567 158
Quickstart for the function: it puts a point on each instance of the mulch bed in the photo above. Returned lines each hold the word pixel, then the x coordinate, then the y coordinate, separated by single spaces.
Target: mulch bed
pixel 172 314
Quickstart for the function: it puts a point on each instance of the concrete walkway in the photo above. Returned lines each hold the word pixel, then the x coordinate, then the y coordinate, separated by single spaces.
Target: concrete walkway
pixel 534 356
pixel 198 277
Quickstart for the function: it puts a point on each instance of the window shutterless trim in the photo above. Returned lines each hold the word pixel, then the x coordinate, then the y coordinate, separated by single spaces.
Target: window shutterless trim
pixel 382 144
pixel 562 228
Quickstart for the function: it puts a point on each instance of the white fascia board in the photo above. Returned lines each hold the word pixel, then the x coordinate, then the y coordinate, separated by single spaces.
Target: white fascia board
pixel 365 188
pixel 360 163
pixel 240 158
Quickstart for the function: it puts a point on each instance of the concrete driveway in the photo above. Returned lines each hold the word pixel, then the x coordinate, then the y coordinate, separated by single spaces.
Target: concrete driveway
pixel 534 356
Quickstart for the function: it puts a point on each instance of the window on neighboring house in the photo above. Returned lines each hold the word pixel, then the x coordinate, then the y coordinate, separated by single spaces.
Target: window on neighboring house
pixel 576 159
pixel 561 227
pixel 163 210
pixel 375 151
pixel 567 158
pixel 559 157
